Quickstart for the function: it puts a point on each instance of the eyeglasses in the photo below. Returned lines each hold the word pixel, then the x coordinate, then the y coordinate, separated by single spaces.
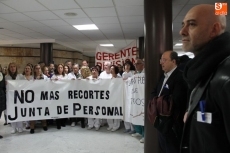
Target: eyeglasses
pixel 138 63
pixel 163 60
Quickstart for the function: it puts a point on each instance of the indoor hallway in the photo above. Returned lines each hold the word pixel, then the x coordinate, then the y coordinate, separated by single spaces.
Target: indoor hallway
pixel 68 140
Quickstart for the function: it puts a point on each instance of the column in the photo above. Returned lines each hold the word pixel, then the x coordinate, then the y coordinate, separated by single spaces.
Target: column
pixel 46 53
pixel 141 47
pixel 158 38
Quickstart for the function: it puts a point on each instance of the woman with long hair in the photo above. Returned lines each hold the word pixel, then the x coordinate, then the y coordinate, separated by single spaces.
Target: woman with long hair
pixel 66 69
pixel 13 75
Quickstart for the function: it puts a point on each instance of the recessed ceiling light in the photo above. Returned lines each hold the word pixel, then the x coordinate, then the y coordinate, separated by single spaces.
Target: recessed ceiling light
pixel 178 44
pixel 70 14
pixel 107 45
pixel 86 27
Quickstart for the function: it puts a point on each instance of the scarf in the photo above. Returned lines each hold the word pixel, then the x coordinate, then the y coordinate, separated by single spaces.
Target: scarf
pixel 13 76
pixel 206 62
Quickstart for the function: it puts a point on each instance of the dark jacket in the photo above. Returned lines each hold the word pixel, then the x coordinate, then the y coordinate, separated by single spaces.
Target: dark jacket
pixel 176 86
pixel 2 94
pixel 208 77
pixel 215 137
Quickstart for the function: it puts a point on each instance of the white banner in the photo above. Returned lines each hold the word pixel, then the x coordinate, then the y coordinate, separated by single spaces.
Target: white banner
pixel 134 100
pixel 116 57
pixel 40 99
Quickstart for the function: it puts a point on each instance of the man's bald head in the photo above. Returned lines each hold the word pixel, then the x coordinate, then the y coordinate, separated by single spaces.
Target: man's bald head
pixel 207 12
pixel 201 25
pixel 107 65
pixel 168 61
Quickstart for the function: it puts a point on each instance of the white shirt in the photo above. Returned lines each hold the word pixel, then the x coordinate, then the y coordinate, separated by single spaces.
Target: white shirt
pixel 118 76
pixel 71 75
pixel 18 77
pixel 143 71
pixel 91 77
pixel 24 78
pixel 105 75
pixel 126 75
pixel 1 76
pixel 60 77
pixel 44 77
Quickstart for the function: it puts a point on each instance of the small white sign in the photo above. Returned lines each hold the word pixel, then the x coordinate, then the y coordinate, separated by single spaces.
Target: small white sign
pixel 208 117
pixel 1 76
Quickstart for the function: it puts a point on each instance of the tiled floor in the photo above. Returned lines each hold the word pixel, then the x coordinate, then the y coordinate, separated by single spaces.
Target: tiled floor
pixel 68 140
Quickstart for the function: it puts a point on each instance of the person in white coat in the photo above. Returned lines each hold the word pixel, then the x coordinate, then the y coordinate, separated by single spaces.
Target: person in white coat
pixel 13 75
pixel 60 75
pixel 129 71
pixel 27 75
pixel 38 75
pixel 114 124
pixel 73 76
pixel 94 122
pixel 139 65
pixel 106 74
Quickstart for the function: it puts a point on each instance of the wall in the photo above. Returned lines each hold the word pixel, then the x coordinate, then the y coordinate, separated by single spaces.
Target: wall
pixel 22 56
pixel 92 61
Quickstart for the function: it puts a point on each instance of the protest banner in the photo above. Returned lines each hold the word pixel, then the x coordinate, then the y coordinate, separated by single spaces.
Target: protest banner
pixel 134 99
pixel 118 57
pixel 49 99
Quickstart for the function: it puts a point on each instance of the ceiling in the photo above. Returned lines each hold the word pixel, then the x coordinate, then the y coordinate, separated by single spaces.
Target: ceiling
pixel 27 23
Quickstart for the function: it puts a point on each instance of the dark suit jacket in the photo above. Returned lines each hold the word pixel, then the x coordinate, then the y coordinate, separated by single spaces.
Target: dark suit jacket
pixel 177 87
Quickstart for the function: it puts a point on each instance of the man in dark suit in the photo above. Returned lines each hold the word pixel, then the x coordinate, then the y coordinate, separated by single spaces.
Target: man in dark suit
pixel 171 83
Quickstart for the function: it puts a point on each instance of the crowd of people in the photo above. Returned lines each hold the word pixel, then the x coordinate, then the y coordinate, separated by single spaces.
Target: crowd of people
pixel 199 121
pixel 69 71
